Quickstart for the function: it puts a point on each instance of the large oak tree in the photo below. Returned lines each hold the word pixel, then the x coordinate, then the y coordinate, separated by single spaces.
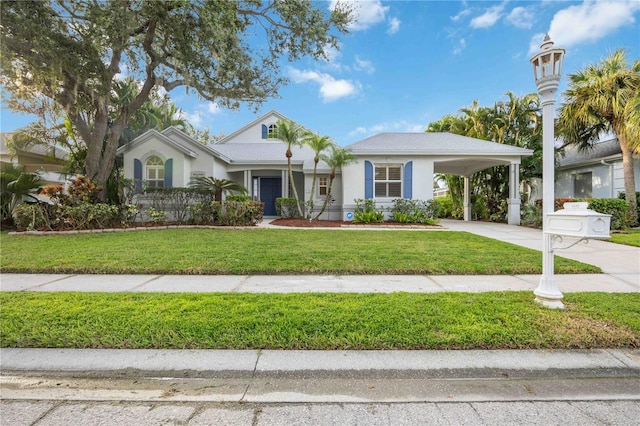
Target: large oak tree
pixel 73 52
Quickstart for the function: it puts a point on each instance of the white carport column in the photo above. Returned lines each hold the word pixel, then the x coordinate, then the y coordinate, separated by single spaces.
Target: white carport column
pixel 466 206
pixel 513 214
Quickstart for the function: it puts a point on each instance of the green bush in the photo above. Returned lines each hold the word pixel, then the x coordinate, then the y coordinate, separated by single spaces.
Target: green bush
pixel 617 208
pixel 238 197
pixel 413 211
pixel 443 207
pixel 367 212
pixel 287 207
pixel 175 202
pixel 622 196
pixel 81 216
pixel 532 215
pixel 240 213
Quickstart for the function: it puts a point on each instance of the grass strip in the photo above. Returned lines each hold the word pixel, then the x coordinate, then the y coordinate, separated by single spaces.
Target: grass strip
pixel 630 237
pixel 321 321
pixel 274 251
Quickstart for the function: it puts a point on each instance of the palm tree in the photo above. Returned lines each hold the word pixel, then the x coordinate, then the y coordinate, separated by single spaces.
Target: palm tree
pixel 218 186
pixel 318 144
pixel 14 184
pixel 600 99
pixel 339 158
pixel 291 134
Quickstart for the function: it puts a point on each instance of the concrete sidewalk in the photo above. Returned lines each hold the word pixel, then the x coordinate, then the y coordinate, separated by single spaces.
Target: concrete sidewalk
pixel 308 283
pixel 620 264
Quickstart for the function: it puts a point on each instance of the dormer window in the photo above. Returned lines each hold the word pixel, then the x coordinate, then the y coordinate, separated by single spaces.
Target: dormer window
pixel 272 132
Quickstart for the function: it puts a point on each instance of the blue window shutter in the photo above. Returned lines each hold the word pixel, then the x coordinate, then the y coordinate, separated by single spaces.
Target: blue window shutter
pixel 408 180
pixel 137 174
pixel 168 173
pixel 264 131
pixel 368 179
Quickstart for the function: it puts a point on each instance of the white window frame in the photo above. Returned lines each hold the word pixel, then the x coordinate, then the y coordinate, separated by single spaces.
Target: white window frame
pixel 322 186
pixel 378 180
pixel 272 131
pixel 153 168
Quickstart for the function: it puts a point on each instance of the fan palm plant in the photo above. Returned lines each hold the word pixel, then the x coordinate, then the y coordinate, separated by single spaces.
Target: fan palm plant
pixel 218 186
pixel 601 98
pixel 14 185
pixel 318 144
pixel 338 158
pixel 291 134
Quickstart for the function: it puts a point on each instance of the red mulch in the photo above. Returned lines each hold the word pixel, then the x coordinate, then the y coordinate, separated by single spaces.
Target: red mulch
pixel 305 223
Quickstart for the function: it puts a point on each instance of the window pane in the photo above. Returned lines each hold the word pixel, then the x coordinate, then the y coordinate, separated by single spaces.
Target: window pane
pixel 323 190
pixel 381 173
pixel 151 173
pixel 395 189
pixel 394 173
pixel 381 189
pixel 161 174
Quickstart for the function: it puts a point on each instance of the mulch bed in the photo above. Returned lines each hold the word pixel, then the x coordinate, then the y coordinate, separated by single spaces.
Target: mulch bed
pixel 304 223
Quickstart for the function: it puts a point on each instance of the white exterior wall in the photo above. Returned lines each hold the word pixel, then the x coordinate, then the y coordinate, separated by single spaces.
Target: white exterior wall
pixel 353 180
pixel 253 133
pixel 607 180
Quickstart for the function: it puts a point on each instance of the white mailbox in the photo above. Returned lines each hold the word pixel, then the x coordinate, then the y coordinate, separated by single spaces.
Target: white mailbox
pixel 577 221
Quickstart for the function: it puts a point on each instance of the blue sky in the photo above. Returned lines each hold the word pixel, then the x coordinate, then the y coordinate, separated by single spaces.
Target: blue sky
pixel 408 63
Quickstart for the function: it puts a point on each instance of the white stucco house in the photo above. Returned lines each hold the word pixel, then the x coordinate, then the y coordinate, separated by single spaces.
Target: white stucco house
pixel 389 166
pixel 596 173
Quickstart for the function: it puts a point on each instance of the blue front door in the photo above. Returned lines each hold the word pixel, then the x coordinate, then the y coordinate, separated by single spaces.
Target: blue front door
pixel 270 189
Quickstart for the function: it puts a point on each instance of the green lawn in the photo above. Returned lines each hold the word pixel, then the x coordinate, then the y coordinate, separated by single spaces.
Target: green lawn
pixel 630 237
pixel 273 251
pixel 501 320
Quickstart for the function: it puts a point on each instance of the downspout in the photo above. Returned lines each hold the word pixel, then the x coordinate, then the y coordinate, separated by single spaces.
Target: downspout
pixel 604 163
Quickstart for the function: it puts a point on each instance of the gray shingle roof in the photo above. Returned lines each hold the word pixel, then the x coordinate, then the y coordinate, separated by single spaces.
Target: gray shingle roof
pixel 573 156
pixel 431 144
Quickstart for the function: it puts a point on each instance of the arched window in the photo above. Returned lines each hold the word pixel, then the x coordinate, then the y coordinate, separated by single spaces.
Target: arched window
pixel 272 132
pixel 154 172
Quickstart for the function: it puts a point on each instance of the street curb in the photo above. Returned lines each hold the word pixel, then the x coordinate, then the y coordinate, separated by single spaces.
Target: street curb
pixel 480 364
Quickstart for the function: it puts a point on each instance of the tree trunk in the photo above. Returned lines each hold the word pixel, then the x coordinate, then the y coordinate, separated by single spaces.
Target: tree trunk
pixel 292 184
pixel 629 178
pixel 328 196
pixel 313 188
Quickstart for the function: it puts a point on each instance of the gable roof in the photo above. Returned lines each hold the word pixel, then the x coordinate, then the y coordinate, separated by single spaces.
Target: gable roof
pixel 258 120
pixel 574 157
pixel 424 143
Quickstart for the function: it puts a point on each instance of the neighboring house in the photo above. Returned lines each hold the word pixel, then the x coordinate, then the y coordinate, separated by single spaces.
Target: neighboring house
pixel 390 165
pixel 595 173
pixel 48 162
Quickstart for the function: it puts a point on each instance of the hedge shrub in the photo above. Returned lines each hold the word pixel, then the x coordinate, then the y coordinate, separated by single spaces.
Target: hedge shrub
pixel 413 211
pixel 287 207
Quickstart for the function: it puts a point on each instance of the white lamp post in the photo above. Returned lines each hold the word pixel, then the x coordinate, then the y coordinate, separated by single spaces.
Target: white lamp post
pixel 547 69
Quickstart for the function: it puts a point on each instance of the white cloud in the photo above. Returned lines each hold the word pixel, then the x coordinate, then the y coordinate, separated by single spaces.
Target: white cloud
pixel 590 21
pixel 363 65
pixel 521 17
pixel 394 26
pixel 366 13
pixel 394 126
pixel 213 108
pixel 461 14
pixel 534 44
pixel 488 18
pixel 202 112
pixel 460 47
pixel 330 88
